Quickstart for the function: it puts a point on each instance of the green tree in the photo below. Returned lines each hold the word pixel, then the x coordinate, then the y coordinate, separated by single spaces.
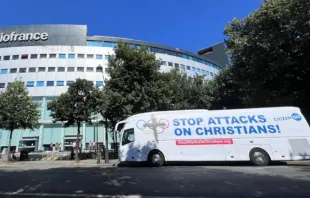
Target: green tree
pixel 270 53
pixel 132 87
pixel 17 110
pixel 76 106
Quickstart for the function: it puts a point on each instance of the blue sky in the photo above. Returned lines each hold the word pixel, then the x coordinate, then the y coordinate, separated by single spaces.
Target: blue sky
pixel 185 24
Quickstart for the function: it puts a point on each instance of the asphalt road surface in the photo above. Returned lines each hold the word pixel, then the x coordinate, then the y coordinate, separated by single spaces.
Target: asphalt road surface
pixel 170 181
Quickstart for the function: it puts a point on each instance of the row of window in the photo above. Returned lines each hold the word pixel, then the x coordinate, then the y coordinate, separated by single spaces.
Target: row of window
pixel 50 83
pixel 61 56
pixel 189 68
pixel 52 69
pixel 156 50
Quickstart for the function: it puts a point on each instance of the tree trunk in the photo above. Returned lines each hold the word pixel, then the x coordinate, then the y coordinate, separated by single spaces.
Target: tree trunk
pixel 78 143
pixel 9 147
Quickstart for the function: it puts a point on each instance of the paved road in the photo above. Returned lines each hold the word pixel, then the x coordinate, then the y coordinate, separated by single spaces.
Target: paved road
pixel 170 181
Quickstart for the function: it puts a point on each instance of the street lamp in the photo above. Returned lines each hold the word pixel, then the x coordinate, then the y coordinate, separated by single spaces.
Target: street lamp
pixel 106 147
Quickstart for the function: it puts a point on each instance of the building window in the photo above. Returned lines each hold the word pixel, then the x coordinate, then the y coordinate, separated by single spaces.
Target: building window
pixel 98 56
pixel 188 67
pixel 6 57
pixel 14 70
pixel 90 69
pixel 41 69
pixel 99 83
pixel 80 69
pixel 94 43
pixel 30 84
pixel 62 56
pixel 9 84
pixel 198 70
pixel 0 57
pixel 32 69
pixel 60 69
pixel 22 70
pixel 109 44
pixel 15 57
pixel 4 71
pixel 99 69
pixel 90 56
pixel 71 56
pixel 43 55
pixel 50 83
pixel 52 56
pixel 163 63
pixel 203 71
pixel 2 85
pixel 81 56
pixel 24 56
pixel 193 69
pixel 40 83
pixel 34 56
pixel 51 69
pixel 182 67
pixel 60 83
pixel 176 65
pixel 107 70
pixel 69 83
pixel 70 69
pixel 170 64
pixel 106 57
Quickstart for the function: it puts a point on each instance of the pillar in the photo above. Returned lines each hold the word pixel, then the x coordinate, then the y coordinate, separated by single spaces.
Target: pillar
pixel 84 136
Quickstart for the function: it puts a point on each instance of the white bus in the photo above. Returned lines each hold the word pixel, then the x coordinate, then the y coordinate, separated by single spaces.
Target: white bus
pixel 259 135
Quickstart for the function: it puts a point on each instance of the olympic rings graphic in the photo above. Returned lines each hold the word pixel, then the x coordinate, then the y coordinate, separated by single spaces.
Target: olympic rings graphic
pixel 152 126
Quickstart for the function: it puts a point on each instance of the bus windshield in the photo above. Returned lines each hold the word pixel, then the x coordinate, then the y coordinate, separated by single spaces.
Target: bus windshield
pixel 128 136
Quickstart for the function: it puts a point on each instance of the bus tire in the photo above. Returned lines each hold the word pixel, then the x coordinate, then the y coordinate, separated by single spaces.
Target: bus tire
pixel 259 157
pixel 156 158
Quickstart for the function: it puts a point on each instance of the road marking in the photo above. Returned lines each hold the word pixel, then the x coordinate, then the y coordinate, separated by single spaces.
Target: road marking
pixel 87 195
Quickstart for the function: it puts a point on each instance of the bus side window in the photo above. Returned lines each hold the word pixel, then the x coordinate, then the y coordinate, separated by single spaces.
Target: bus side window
pixel 128 136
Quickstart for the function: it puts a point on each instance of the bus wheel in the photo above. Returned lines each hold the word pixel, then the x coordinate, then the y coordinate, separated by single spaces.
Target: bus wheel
pixel 259 157
pixel 156 159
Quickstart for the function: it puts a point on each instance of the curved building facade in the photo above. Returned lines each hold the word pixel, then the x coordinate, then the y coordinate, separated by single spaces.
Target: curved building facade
pixel 48 58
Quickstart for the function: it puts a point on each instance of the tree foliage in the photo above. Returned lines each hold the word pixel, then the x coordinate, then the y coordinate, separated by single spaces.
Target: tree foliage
pixel 17 110
pixel 76 106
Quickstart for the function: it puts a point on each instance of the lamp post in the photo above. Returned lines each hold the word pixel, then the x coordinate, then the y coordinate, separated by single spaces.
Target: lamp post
pixel 106 147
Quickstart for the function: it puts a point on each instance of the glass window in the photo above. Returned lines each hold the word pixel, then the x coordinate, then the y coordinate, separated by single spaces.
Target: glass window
pixel 90 69
pixel 211 73
pixel 4 71
pixel 6 57
pixel 184 56
pixel 80 69
pixel 50 83
pixel 32 69
pixel 94 43
pixel 98 56
pixel 13 70
pixel 52 55
pixel 203 71
pixel 43 55
pixel 198 70
pixel 109 44
pixel 2 85
pixel 99 69
pixel 207 73
pixel 106 57
pixel 22 70
pixel 69 83
pixel 188 67
pixel 60 83
pixel 190 57
pixel 90 56
pixel 70 69
pixel 41 69
pixel 81 56
pixel 176 65
pixel 40 83
pixel 60 69
pixel 24 56
pixel 61 55
pixel 182 67
pixel 34 56
pixel 138 46
pixel 51 69
pixel 163 63
pixel 193 69
pixel 30 84
pixel 0 57
pixel 128 136
pixel 170 64
pixel 99 83
pixel 71 56
pixel 15 57
pixel 107 70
